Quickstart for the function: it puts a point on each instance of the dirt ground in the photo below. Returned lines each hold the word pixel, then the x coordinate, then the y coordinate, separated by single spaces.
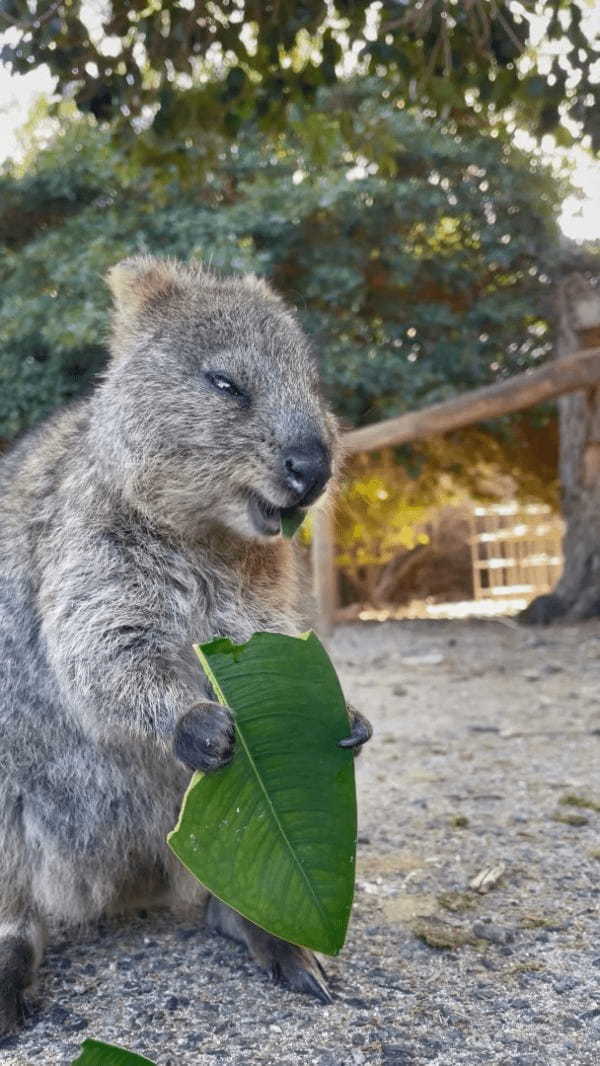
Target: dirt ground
pixel 486 759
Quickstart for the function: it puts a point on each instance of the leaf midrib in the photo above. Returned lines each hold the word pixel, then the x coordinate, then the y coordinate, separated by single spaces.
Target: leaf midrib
pixel 221 699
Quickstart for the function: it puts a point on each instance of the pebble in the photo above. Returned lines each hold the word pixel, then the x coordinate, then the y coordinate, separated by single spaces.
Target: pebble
pixel 430 658
pixel 360 1004
pixel 396 1055
pixel 75 1024
pixel 194 1039
pixel 566 984
pixel 186 934
pixel 57 1015
pixel 496 934
pixel 328 1058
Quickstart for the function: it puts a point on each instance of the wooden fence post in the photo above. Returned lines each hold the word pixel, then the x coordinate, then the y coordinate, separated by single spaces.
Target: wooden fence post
pixel 577 593
pixel 323 568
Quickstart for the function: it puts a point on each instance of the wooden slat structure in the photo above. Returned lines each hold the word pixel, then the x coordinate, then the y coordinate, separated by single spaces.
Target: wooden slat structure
pixel 579 371
pixel 515 550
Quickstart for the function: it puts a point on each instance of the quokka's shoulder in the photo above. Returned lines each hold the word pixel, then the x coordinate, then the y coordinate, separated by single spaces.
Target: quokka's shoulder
pixel 40 457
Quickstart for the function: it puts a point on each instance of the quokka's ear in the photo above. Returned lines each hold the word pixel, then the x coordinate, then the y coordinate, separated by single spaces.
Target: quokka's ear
pixel 142 280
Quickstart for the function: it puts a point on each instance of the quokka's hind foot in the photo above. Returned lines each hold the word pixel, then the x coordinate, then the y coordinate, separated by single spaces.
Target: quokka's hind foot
pixel 288 964
pixel 17 963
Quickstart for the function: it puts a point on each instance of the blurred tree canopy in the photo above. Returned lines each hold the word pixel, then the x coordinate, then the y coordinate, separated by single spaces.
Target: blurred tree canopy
pixel 167 70
pixel 359 156
pixel 424 274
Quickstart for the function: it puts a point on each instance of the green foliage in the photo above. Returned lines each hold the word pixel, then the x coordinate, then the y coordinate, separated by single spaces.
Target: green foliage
pixel 290 523
pixel 188 70
pixel 274 834
pixel 380 510
pixel 421 261
pixel 96 1053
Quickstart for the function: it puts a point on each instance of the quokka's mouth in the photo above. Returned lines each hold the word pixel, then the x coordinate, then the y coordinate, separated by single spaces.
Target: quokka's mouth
pixel 266 517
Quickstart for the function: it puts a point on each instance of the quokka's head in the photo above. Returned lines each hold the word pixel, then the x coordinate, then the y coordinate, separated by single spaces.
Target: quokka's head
pixel 210 409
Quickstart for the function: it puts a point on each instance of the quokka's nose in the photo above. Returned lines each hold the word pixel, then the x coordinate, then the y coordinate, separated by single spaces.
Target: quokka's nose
pixel 307 469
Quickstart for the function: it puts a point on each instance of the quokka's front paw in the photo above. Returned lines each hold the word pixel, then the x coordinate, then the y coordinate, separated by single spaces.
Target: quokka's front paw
pixel 361 730
pixel 205 737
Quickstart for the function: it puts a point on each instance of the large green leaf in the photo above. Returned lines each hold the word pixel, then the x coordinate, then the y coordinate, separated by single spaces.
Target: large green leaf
pixel 274 834
pixel 95 1053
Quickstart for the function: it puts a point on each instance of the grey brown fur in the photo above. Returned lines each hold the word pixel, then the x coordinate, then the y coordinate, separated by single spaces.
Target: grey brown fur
pixel 126 533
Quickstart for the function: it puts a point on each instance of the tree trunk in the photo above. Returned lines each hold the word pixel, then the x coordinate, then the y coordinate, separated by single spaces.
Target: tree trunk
pixel 577 594
pixel 397 570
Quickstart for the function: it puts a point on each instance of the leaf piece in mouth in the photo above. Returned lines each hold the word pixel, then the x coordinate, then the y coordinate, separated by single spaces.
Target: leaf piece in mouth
pixel 291 520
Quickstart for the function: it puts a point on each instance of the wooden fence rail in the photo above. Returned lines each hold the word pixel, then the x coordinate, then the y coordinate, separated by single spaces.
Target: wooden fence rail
pixel 581 370
pixel 578 371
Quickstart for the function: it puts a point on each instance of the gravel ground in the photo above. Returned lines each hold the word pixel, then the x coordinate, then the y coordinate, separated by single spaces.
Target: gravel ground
pixel 487 754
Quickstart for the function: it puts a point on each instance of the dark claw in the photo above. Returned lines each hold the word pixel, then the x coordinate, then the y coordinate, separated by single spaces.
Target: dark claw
pixel 361 732
pixel 302 980
pixel 314 988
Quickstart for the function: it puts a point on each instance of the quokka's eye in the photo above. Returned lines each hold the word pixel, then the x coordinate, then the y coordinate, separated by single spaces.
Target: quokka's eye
pixel 224 385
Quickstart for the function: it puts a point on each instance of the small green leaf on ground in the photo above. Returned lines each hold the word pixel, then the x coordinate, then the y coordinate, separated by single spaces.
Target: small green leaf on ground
pixel 274 834
pixel 457 901
pixel 442 935
pixel 574 799
pixel 96 1053
pixel 542 921
pixel 570 818
pixel 290 523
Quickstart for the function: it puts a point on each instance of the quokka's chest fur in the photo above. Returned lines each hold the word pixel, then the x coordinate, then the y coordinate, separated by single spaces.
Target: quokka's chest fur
pixel 210 587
